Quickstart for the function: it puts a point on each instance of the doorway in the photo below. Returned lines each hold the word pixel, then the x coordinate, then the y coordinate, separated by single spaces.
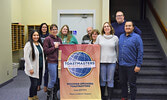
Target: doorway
pixel 78 21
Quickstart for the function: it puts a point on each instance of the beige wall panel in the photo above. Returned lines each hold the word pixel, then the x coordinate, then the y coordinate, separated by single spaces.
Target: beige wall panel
pixel 5 44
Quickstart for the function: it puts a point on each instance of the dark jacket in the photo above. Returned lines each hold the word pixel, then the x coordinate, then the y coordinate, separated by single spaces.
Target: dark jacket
pixel 86 39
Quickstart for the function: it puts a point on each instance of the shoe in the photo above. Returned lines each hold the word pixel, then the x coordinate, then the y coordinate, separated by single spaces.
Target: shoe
pixel 30 98
pixel 50 94
pixel 110 93
pixel 35 97
pixel 45 89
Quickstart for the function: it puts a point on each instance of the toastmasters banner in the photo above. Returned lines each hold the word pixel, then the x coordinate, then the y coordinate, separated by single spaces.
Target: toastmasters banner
pixel 79 77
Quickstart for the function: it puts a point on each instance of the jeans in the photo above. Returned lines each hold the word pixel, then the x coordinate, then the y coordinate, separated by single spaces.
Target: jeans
pixel 107 74
pixel 52 68
pixel 127 75
pixel 33 87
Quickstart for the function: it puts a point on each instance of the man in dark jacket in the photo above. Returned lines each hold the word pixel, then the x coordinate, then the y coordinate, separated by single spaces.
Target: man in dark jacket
pixel 86 38
pixel 120 23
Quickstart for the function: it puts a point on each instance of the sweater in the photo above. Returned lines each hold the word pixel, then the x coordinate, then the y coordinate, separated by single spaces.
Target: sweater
pixel 73 40
pixel 49 48
pixel 29 63
pixel 109 48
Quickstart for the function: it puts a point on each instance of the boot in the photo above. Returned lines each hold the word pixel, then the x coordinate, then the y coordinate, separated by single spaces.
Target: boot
pixel 55 93
pixel 102 92
pixel 35 97
pixel 110 92
pixel 30 98
pixel 49 93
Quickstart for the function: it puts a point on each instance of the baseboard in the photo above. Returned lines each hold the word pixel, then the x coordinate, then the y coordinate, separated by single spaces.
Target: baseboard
pixel 7 82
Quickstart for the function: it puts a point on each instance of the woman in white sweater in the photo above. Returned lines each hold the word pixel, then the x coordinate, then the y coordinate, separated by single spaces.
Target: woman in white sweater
pixel 34 59
pixel 109 47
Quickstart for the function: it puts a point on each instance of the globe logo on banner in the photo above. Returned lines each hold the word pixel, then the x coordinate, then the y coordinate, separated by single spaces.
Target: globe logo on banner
pixel 79 64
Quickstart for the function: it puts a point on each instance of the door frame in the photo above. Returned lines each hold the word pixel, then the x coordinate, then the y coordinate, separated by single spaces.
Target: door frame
pixel 73 12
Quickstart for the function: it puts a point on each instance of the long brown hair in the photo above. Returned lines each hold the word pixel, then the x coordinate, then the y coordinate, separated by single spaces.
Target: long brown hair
pixel 31 42
pixel 112 29
pixel 68 34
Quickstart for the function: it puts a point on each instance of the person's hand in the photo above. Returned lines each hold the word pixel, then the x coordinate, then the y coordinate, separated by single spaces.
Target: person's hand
pixel 137 69
pixel 31 71
pixel 56 44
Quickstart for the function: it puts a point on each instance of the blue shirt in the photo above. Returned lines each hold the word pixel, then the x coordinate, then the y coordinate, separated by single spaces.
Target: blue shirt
pixel 130 50
pixel 119 29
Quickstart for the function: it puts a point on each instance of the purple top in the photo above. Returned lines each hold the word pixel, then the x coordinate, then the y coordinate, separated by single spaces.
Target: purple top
pixel 50 50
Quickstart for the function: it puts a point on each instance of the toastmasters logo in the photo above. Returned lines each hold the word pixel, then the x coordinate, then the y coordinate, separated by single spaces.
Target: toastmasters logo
pixel 79 64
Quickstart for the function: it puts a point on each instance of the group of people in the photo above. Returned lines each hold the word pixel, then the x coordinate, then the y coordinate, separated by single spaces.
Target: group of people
pixel 120 43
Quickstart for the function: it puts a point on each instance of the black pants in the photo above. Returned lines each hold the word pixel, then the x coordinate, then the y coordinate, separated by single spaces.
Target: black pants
pixel 40 76
pixel 33 87
pixel 46 75
pixel 127 75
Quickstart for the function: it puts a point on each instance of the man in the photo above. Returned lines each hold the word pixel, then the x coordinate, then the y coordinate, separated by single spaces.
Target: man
pixel 130 60
pixel 120 23
pixel 86 38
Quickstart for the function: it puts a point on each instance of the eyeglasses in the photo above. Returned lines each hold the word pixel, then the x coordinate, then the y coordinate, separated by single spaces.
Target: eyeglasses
pixel 119 15
pixel 54 29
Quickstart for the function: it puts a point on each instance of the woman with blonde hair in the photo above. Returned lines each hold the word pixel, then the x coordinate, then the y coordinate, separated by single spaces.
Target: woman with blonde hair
pixel 66 36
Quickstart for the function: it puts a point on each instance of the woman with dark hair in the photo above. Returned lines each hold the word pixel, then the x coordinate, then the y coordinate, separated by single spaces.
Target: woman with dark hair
pixel 94 35
pixel 109 48
pixel 44 32
pixel 51 45
pixel 34 59
pixel 66 36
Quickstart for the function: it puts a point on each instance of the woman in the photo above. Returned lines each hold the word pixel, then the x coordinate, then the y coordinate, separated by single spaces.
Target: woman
pixel 34 59
pixel 66 36
pixel 94 35
pixel 109 47
pixel 44 32
pixel 51 44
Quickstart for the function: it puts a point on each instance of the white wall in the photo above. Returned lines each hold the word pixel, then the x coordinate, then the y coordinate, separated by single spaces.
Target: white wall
pixel 160 8
pixel 5 44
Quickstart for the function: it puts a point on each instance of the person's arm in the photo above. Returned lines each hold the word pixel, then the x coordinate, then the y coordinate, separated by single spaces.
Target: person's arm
pixel 116 47
pixel 47 48
pixel 140 52
pixel 27 52
pixel 137 30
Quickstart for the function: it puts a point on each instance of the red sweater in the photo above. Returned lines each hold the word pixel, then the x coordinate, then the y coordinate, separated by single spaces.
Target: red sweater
pixel 50 50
